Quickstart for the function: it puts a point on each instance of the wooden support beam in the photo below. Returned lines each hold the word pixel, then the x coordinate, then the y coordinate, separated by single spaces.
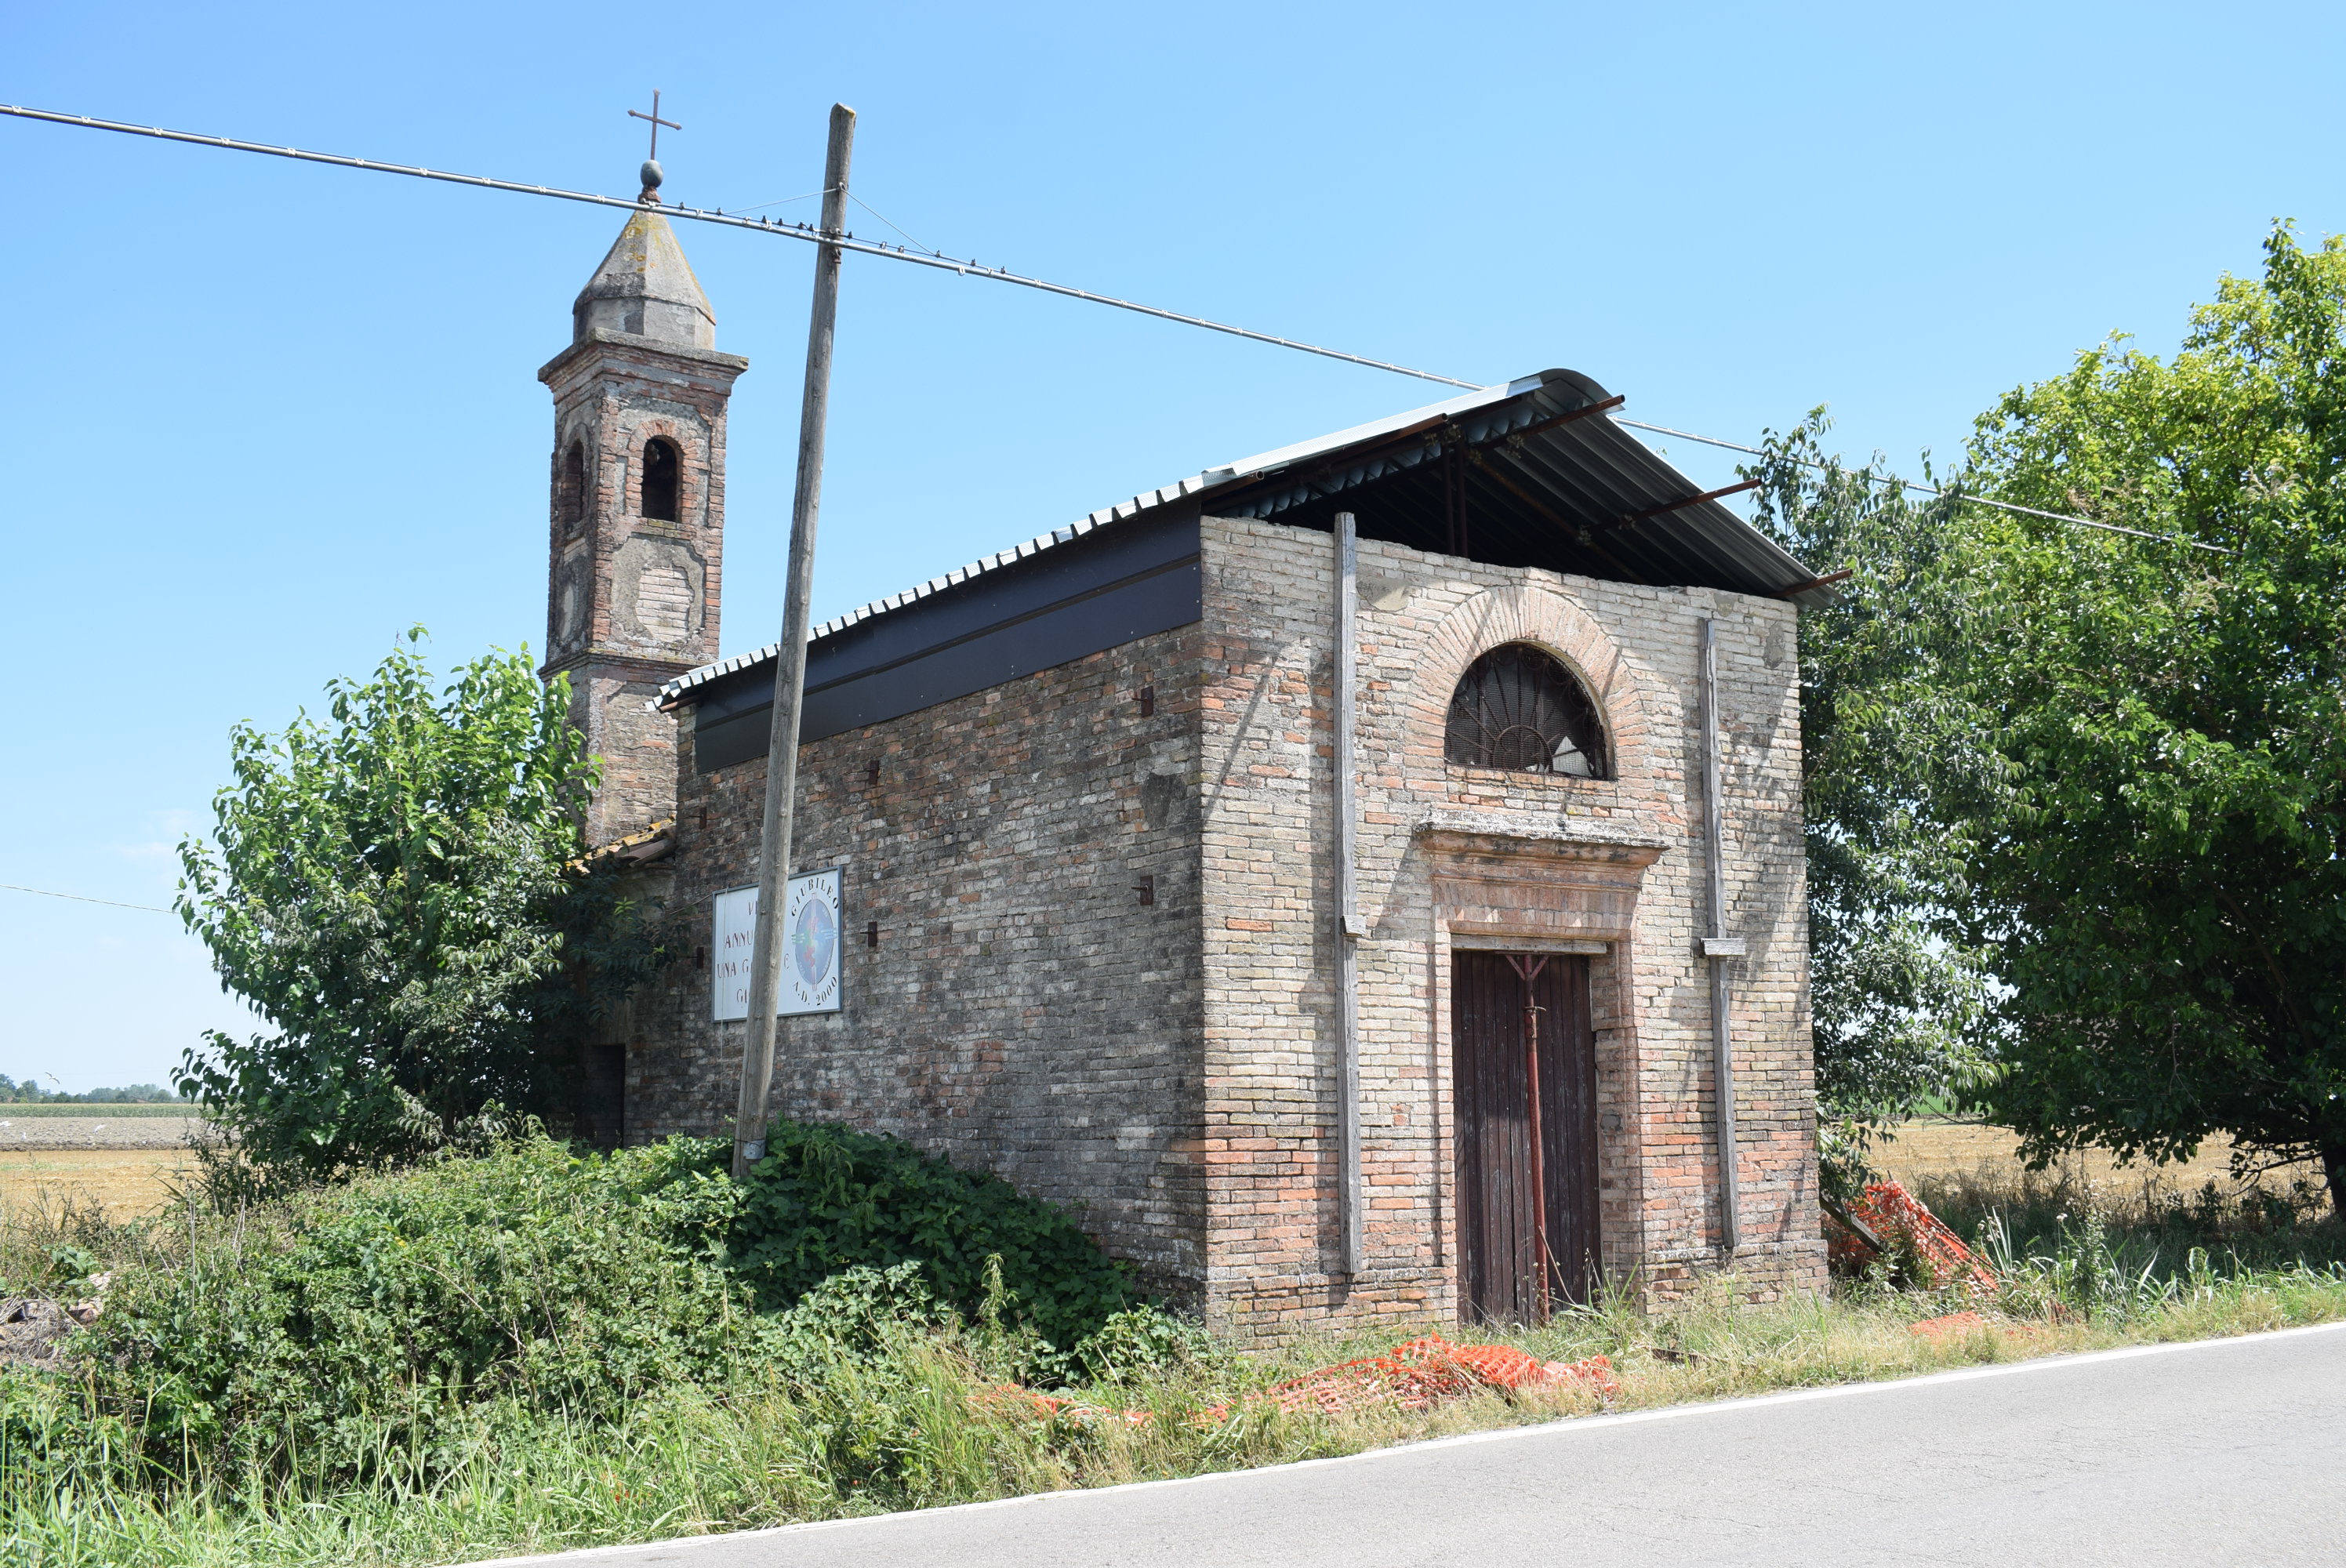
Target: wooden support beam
pixel 1689 501
pixel 1497 475
pixel 1825 582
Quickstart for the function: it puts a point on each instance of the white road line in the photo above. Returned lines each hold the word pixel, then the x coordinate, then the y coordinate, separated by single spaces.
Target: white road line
pixel 1573 1427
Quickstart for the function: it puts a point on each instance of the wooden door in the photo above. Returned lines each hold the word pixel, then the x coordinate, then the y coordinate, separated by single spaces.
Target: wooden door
pixel 1491 1077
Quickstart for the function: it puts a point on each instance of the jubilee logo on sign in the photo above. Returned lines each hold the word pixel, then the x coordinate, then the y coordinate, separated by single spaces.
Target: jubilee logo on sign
pixel 810 947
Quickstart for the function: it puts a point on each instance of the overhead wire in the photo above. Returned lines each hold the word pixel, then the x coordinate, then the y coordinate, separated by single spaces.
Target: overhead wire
pixel 893 224
pixel 802 231
pixel 1928 490
pixel 779 201
pixel 938 259
pixel 84 899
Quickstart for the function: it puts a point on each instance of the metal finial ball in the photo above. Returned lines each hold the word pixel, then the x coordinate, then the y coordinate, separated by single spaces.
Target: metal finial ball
pixel 652 176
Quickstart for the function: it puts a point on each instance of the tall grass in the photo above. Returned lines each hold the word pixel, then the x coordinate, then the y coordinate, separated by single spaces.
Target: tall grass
pixel 905 1413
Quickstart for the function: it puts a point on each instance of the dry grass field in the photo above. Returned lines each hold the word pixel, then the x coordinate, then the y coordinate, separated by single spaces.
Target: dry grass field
pixel 127 1164
pixel 124 1182
pixel 1942 1150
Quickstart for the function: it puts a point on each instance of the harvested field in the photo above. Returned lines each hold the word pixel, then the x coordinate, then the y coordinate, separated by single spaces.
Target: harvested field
pixel 124 1182
pixel 20 1110
pixel 127 1164
pixel 1941 1150
pixel 94 1131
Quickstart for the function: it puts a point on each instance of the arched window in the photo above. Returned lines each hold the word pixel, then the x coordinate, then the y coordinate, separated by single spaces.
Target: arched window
pixel 660 469
pixel 1517 706
pixel 570 487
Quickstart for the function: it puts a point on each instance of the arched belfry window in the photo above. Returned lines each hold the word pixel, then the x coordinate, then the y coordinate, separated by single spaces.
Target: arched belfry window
pixel 1518 706
pixel 570 486
pixel 660 472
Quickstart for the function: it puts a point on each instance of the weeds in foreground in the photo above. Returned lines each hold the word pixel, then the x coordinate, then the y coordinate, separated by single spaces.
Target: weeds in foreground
pixel 866 1402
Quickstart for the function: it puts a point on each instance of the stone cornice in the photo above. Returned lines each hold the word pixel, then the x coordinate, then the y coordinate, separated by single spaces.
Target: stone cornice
pixel 1568 833
pixel 706 362
pixel 1505 873
pixel 634 665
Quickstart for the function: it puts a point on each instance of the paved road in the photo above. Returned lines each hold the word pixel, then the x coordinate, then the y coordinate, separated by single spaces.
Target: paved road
pixel 2230 1451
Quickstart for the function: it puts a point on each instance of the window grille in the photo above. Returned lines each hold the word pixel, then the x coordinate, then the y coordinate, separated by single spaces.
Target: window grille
pixel 1518 707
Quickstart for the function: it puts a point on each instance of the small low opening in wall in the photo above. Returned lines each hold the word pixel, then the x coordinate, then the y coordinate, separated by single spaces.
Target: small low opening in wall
pixel 1146 888
pixel 1148 702
pixel 872 775
pixel 871 934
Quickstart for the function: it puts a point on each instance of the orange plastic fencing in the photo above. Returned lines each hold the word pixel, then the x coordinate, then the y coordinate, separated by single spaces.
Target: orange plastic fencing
pixel 1937 1328
pixel 1888 1210
pixel 1414 1376
pixel 1423 1373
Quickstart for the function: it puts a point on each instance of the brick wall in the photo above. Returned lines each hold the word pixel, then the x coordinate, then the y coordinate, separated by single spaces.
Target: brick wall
pixel 1270 1111
pixel 1171 1066
pixel 1023 1011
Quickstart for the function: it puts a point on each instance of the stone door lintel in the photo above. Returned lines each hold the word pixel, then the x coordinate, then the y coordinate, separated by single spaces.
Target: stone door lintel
pixel 1538 878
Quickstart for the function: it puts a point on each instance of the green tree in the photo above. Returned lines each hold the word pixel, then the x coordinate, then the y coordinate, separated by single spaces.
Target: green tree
pixel 389 890
pixel 2151 855
pixel 1893 1003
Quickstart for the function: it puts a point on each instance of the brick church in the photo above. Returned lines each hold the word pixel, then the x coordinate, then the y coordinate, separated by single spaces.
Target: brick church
pixel 1104 914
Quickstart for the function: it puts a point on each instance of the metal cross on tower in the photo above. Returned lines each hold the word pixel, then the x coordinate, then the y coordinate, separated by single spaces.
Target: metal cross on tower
pixel 657 122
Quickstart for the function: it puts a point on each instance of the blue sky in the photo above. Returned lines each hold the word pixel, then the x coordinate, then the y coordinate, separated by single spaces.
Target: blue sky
pixel 266 416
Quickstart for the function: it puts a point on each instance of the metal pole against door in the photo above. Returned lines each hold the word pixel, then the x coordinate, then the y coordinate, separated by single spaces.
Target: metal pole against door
pixel 789 666
pixel 1530 970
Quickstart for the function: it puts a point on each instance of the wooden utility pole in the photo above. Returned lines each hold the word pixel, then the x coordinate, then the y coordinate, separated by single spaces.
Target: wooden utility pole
pixel 790 665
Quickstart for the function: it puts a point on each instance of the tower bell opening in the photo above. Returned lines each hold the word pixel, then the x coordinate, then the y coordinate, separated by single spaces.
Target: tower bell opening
pixel 570 487
pixel 660 467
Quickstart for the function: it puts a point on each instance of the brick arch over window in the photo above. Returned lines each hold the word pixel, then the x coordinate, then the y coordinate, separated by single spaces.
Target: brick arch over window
pixel 1547 620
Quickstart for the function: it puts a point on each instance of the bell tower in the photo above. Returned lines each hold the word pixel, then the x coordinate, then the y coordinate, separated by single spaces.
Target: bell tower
pixel 638 514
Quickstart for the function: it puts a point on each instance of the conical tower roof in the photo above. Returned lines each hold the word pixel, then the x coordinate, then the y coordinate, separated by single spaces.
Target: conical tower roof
pixel 646 288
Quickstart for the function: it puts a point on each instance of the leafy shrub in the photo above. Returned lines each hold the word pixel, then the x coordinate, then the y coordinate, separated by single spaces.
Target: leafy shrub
pixel 829 1198
pixel 358 1325
pixel 1143 1342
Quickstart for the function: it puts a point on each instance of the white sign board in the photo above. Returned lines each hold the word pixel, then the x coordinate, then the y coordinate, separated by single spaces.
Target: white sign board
pixel 810 945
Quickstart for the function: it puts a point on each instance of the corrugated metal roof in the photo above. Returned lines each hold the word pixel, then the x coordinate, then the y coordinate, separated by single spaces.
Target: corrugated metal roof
pixel 1588 473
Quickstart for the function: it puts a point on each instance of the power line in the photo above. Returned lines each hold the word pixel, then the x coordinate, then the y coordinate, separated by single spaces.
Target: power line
pixel 779 201
pixel 890 223
pixel 83 899
pixel 1927 490
pixel 941 262
pixel 806 232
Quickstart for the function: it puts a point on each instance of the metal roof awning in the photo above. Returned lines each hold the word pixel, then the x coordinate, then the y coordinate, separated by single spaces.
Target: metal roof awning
pixel 1532 474
pixel 1528 473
